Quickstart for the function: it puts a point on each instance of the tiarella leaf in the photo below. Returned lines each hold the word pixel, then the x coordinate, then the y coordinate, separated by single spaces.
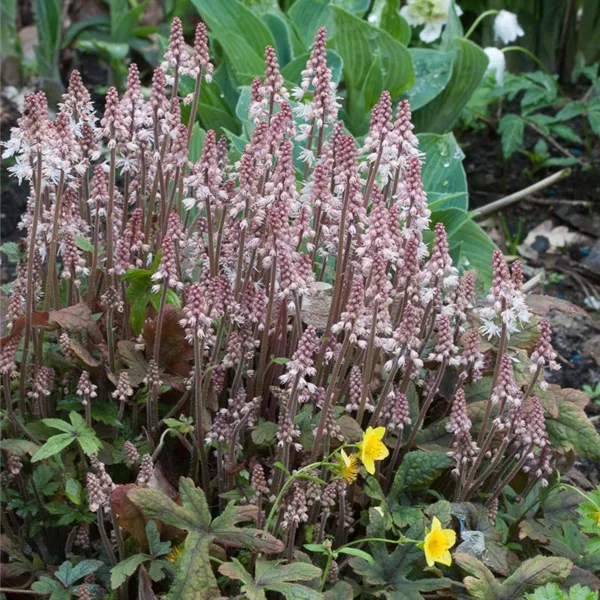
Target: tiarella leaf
pixel 126 568
pixel 53 446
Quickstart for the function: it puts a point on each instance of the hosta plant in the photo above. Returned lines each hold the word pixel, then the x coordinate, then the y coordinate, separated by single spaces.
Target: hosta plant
pixel 276 379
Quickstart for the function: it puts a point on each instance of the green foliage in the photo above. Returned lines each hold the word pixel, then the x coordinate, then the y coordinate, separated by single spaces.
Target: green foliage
pixel 76 430
pixel 482 584
pixel 274 577
pixel 468 66
pixel 11 250
pixel 141 294
pixel 157 567
pixel 9 39
pixel 67 579
pixel 551 591
pixel 49 24
pixel 195 578
pixel 373 62
pixel 552 119
pixel 419 469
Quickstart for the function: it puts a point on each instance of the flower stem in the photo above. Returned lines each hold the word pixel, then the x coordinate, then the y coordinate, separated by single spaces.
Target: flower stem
pixel 478 20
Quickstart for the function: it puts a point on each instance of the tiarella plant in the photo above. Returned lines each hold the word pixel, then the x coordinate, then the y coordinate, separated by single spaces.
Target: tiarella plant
pixel 284 333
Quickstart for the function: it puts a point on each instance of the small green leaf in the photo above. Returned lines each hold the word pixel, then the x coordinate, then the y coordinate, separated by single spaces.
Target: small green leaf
pixel 74 491
pixel 89 442
pixel 58 424
pixel 418 470
pixel 84 244
pixel 156 547
pixel 11 249
pixel 53 446
pixel 512 129
pixel 281 360
pixel 126 568
pixel 315 548
pixel 357 552
pixel 264 434
pixel 78 422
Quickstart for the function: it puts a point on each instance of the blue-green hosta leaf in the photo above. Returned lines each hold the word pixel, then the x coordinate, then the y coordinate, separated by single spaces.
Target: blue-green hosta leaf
pixel 241 33
pixel 476 246
pixel 392 22
pixel 468 67
pixel 443 174
pixel 358 42
pixel 292 72
pixel 433 70
pixel 308 15
pixel 281 33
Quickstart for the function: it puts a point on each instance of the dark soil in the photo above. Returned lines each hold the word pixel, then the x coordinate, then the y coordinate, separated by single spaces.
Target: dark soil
pixel 574 271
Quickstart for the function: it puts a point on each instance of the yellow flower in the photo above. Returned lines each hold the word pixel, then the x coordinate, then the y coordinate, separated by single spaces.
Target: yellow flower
pixel 595 515
pixel 348 467
pixel 437 544
pixel 175 554
pixel 372 448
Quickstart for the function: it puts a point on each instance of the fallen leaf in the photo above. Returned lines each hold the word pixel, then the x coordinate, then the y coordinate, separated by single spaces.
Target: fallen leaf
pixel 174 348
pixel 134 359
pixel 81 352
pixel 541 305
pixel 129 516
pixel 558 237
pixel 75 318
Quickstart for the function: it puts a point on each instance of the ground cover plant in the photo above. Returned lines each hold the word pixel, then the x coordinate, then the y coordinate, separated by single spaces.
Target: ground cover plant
pixel 257 370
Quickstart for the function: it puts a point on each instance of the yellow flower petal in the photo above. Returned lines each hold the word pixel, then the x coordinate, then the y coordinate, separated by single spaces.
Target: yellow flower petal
pixel 372 448
pixel 345 457
pixel 369 466
pixel 450 536
pixel 445 558
pixel 378 432
pixel 436 525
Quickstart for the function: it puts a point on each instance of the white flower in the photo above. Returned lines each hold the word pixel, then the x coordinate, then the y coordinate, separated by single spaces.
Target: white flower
pixel 497 63
pixel 506 27
pixel 433 14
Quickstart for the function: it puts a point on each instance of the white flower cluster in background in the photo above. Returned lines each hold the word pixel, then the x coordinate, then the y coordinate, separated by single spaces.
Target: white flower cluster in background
pixel 432 14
